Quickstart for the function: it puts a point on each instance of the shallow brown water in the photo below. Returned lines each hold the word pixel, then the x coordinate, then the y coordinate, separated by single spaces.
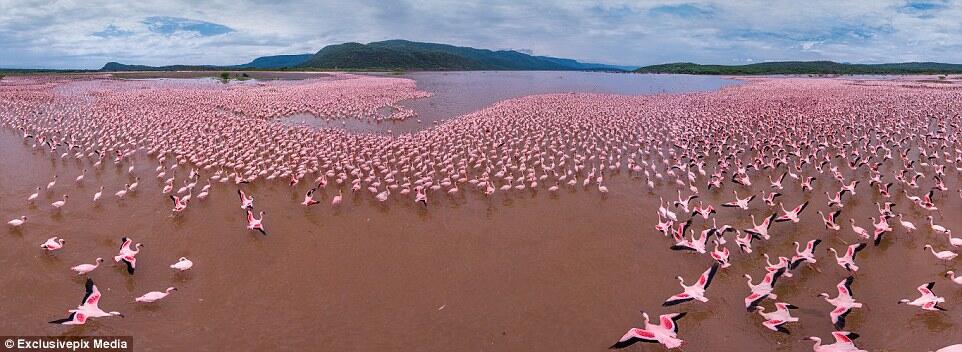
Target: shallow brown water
pixel 517 272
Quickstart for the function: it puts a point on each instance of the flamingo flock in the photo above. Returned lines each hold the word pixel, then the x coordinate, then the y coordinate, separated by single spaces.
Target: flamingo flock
pixel 763 149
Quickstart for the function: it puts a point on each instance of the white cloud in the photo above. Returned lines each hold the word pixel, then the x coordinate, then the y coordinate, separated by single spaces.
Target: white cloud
pixel 86 34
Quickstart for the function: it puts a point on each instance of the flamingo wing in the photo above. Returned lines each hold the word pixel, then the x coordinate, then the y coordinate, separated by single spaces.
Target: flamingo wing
pixel 669 321
pixel 768 221
pixel 844 337
pixel 677 299
pixel 798 209
pixel 753 299
pixel 131 263
pixel 705 279
pixel 926 289
pixel 92 297
pixel 776 325
pixel 74 318
pixel 125 245
pixel 634 335
pixel 838 317
pixel 854 249
pixel 834 215
pixel 845 286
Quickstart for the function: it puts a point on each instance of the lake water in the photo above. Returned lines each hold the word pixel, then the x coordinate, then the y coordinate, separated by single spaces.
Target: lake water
pixel 459 93
pixel 519 271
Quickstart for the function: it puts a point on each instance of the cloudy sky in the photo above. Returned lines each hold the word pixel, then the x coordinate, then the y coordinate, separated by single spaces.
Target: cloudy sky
pixel 88 33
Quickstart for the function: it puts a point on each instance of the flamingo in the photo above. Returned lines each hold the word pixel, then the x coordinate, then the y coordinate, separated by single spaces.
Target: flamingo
pixel 763 289
pixel 33 196
pixel 944 256
pixel 89 308
pixel 53 243
pixel 154 296
pixel 87 268
pixel 745 243
pixel 60 203
pixel 909 227
pixel 830 220
pixel 951 275
pixel 775 320
pixel 336 200
pixel 695 291
pixel 938 228
pixel 247 203
pixel 928 300
pixel 844 302
pixel 123 192
pixel 847 261
pixel 665 333
pixel 255 223
pixel 804 256
pixel 860 231
pixel 180 204
pixel 844 342
pixel 792 215
pixel 128 255
pixel 17 223
pixel 309 198
pixel 761 230
pixel 741 203
pixel 182 264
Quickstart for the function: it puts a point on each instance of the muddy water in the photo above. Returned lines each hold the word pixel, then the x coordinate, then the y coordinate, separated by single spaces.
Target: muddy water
pixel 459 93
pixel 519 272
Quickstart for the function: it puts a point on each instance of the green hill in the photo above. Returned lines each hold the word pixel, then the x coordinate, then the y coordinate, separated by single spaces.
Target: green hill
pixel 403 54
pixel 804 67
pixel 395 54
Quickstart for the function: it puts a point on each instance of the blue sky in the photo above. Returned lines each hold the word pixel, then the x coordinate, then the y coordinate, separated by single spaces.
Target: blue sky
pixel 86 34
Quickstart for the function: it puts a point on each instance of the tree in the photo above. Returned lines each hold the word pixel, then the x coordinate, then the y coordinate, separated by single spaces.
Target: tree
pixel 225 76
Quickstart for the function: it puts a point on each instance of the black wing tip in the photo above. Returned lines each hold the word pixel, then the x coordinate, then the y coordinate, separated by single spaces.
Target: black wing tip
pixel 676 302
pixel 64 320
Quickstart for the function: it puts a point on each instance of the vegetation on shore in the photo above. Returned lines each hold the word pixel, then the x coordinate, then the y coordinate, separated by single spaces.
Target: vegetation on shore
pixel 805 67
pixel 392 56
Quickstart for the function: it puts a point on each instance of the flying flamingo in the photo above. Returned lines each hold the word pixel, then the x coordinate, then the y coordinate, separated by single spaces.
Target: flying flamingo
pixel 695 291
pixel 247 203
pixel 844 342
pixel 792 215
pixel 928 300
pixel 775 320
pixel 255 223
pixel 844 302
pixel 665 333
pixel 88 308
pixel 128 255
